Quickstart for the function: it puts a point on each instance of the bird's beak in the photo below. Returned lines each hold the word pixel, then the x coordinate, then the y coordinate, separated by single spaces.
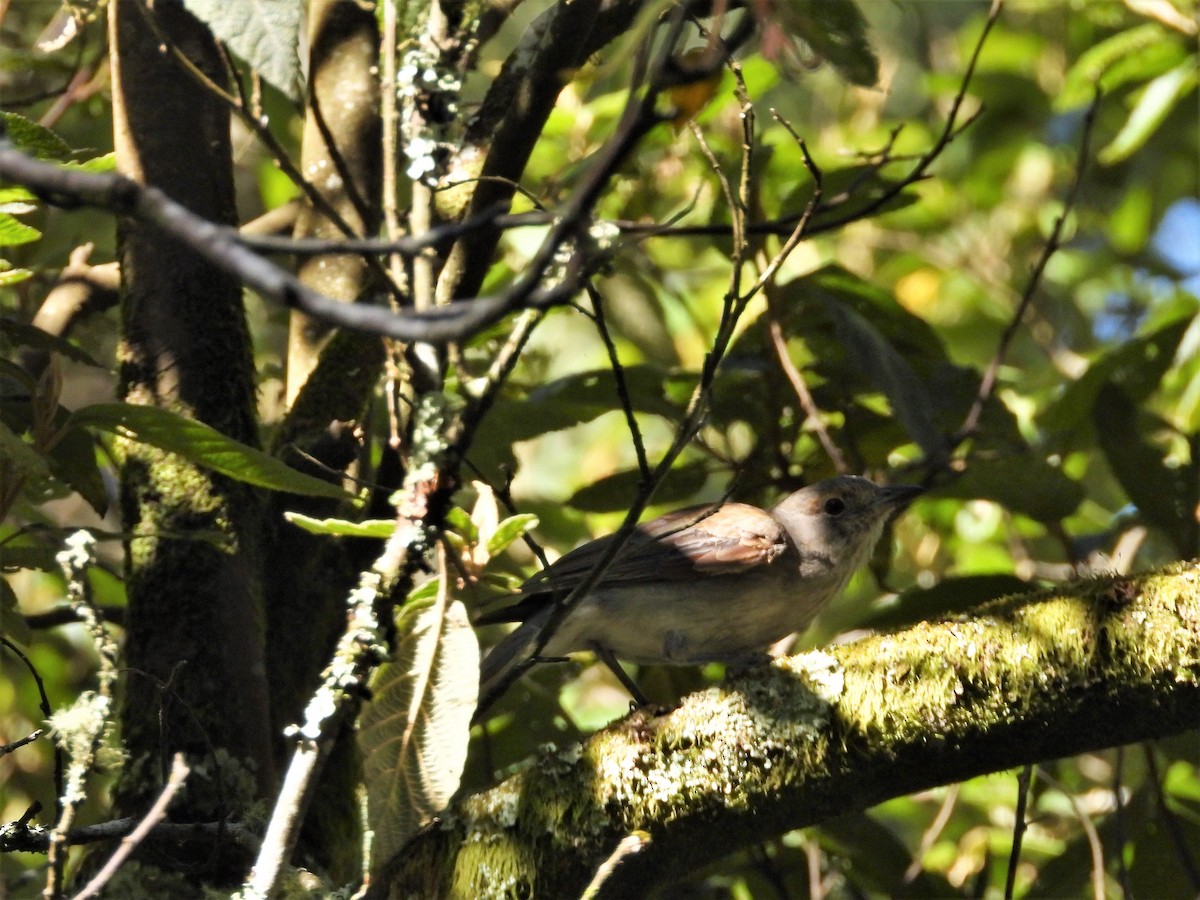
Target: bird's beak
pixel 898 496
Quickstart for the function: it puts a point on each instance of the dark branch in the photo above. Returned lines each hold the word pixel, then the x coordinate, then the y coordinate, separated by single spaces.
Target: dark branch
pixel 223 247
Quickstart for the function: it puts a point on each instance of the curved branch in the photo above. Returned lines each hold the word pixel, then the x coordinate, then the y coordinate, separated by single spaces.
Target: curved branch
pixel 1088 665
pixel 222 246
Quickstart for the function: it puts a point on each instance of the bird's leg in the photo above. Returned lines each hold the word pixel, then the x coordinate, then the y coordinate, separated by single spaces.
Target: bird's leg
pixel 606 657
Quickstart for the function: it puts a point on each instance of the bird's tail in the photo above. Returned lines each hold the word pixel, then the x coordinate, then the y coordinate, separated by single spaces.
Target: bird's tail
pixel 508 660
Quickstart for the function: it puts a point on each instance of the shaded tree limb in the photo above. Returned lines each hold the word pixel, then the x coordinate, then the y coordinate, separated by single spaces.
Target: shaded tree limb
pixel 1087 665
pixel 222 247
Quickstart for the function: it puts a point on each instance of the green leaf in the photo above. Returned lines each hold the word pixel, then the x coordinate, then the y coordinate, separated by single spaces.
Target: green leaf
pixel 893 376
pixel 264 33
pixel 368 528
pixel 1023 483
pixel 460 520
pixel 16 196
pixel 1166 497
pixel 1156 102
pixel 13 232
pixel 105 162
pixel 509 530
pixel 415 731
pixel 836 31
pixel 19 458
pixel 202 445
pixel 615 492
pixel 10 276
pixel 31 138
pixel 73 461
pixel 1136 52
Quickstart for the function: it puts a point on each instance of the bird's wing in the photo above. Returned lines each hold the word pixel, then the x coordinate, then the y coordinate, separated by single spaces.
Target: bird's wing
pixel 700 540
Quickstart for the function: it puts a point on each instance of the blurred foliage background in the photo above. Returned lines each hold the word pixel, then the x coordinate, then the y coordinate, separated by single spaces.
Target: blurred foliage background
pixel 1089 459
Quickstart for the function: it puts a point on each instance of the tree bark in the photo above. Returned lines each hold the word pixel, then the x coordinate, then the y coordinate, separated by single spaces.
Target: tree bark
pixel 1078 668
pixel 194 645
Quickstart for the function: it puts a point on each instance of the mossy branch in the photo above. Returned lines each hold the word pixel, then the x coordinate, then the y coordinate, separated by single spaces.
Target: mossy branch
pixel 1085 666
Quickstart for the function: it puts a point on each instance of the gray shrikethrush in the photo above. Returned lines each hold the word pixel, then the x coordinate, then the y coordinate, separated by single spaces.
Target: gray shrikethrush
pixel 703 584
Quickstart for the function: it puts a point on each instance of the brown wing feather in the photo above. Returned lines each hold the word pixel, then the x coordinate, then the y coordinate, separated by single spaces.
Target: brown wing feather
pixel 699 540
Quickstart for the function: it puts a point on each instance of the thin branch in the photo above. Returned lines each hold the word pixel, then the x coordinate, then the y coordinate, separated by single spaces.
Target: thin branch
pixel 1019 825
pixel 47 711
pixel 614 363
pixel 951 129
pixel 6 749
pixel 931 834
pixel 987 384
pixel 21 837
pixel 401 245
pixel 631 845
pixel 223 247
pixel 156 813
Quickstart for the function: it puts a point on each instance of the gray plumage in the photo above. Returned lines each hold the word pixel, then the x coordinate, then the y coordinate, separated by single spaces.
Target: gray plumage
pixel 703 584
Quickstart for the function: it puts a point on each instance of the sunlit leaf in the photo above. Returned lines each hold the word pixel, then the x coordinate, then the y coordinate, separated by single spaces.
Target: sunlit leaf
pixel 368 528
pixel 1150 110
pixel 13 232
pixel 1138 53
pixel 10 276
pixel 509 530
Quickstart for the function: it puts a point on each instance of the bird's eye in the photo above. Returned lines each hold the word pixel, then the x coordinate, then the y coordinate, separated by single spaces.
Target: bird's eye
pixel 835 506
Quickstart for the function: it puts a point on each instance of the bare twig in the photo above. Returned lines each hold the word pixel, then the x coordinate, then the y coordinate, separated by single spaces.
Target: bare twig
pixel 1024 777
pixel 951 129
pixel 6 749
pixel 156 813
pixel 614 363
pixel 931 834
pixel 22 837
pixel 987 384
pixel 812 413
pixel 631 845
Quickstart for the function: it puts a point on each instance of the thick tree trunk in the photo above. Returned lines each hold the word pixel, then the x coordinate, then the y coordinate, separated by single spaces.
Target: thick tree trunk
pixel 1090 665
pixel 194 647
